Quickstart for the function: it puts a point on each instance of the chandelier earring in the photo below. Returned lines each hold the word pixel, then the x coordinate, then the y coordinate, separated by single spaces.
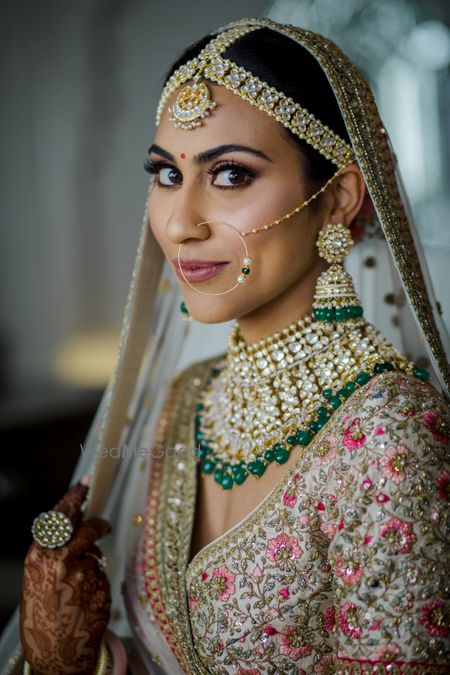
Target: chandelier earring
pixel 335 297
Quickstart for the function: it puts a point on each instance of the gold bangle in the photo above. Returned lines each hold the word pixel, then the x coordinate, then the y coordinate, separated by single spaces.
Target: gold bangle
pixel 100 669
pixel 102 663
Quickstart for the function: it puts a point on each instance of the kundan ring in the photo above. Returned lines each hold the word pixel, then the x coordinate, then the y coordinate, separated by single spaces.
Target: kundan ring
pixel 52 529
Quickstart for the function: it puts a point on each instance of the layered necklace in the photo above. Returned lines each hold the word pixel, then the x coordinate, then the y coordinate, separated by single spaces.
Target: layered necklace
pixel 269 396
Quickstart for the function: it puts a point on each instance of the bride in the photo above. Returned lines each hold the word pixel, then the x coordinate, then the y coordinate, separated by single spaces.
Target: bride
pixel 280 507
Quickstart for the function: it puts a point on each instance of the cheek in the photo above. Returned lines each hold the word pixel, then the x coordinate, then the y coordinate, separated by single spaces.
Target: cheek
pixel 283 253
pixel 156 219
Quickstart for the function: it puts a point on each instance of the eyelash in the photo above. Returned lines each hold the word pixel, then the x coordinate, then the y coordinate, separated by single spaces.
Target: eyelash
pixel 154 168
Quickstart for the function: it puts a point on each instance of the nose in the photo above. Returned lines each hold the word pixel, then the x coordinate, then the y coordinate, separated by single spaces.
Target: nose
pixel 181 225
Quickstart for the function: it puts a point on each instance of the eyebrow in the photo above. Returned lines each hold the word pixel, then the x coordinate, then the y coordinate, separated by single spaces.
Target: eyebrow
pixel 208 155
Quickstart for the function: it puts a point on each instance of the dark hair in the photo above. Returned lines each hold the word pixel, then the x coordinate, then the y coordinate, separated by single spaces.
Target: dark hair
pixel 291 69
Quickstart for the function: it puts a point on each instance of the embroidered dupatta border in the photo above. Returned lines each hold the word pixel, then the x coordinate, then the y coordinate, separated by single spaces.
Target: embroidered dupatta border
pixel 170 512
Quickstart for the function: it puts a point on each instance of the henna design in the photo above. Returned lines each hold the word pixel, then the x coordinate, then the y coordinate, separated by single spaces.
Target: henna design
pixel 66 598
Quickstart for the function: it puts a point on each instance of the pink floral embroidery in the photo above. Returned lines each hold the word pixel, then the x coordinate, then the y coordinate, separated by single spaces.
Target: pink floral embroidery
pixel 382 498
pixel 443 486
pixel 436 618
pixel 291 494
pixel 284 592
pixel 326 666
pixel 379 431
pixel 399 535
pixel 354 437
pixel 327 451
pixel 257 572
pixel 222 582
pixel 386 652
pixel 249 671
pixel 349 570
pixel 366 484
pixel 329 619
pixel 349 620
pixel 435 423
pixel 193 602
pixel 393 463
pixel 283 549
pixel 292 644
pixel 270 630
pixel 329 529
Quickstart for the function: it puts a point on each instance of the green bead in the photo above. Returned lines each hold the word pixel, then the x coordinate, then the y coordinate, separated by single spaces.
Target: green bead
pixel 276 446
pixel 421 374
pixel 215 372
pixel 388 366
pixel 202 451
pixel 303 437
pixel 257 468
pixel 240 475
pixel 343 393
pixel 359 311
pixel 322 411
pixel 330 315
pixel 339 314
pixel 314 426
pixel 362 378
pixel 281 456
pixel 198 407
pixel 208 466
pixel 227 481
pixel 327 393
pixel 199 436
pixel 218 476
pixel 292 440
pixel 350 387
pixel 335 402
pixel 378 368
pixel 269 455
pixel 321 423
pixel 183 308
pixel 245 270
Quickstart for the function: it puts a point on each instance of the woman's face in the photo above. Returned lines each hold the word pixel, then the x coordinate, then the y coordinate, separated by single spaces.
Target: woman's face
pixel 240 167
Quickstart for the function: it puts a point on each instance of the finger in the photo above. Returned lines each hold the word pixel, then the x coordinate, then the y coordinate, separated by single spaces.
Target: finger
pixel 86 534
pixel 72 501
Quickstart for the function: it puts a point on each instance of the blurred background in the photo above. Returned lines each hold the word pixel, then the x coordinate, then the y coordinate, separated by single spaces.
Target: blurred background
pixel 80 82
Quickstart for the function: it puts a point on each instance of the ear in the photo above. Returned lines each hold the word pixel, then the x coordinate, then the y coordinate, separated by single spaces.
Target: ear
pixel 347 196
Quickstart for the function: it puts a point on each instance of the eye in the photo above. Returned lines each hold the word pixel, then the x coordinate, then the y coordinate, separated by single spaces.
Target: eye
pixel 167 174
pixel 231 175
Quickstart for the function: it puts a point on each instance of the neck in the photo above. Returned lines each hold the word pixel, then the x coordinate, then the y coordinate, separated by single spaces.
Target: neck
pixel 271 317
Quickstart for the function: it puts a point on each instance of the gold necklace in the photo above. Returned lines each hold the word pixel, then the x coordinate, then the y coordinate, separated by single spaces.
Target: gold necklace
pixel 268 396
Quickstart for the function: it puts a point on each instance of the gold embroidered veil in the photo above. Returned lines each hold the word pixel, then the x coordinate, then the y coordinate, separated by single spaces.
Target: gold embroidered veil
pixel 122 435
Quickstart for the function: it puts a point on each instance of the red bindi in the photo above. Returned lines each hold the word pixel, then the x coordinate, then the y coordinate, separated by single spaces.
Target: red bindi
pixel 183 156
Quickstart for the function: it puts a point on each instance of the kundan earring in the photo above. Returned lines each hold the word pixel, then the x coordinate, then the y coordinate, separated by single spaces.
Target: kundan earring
pixel 335 297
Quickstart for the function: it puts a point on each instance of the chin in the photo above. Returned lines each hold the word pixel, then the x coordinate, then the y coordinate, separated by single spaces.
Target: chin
pixel 214 310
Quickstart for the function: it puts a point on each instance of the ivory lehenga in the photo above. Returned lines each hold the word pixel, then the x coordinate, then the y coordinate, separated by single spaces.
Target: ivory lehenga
pixel 343 567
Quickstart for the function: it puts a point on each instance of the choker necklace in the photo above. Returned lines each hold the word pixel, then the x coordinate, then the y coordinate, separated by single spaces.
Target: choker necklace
pixel 268 396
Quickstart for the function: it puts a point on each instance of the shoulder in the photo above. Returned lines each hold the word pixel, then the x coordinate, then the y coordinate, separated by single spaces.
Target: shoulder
pixel 394 403
pixel 395 429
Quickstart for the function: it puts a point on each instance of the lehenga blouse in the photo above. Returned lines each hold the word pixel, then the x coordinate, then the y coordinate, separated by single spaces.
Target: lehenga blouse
pixel 343 566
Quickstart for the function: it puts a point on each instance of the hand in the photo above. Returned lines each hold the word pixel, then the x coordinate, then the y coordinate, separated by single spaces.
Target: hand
pixel 66 597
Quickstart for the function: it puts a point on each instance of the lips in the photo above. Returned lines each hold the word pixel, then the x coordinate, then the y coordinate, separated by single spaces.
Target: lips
pixel 199 270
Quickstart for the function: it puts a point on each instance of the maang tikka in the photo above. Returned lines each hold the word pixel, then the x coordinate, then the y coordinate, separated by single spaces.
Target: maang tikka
pixel 335 297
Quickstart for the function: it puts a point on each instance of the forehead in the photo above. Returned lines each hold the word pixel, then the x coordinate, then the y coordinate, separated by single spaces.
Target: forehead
pixel 232 121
